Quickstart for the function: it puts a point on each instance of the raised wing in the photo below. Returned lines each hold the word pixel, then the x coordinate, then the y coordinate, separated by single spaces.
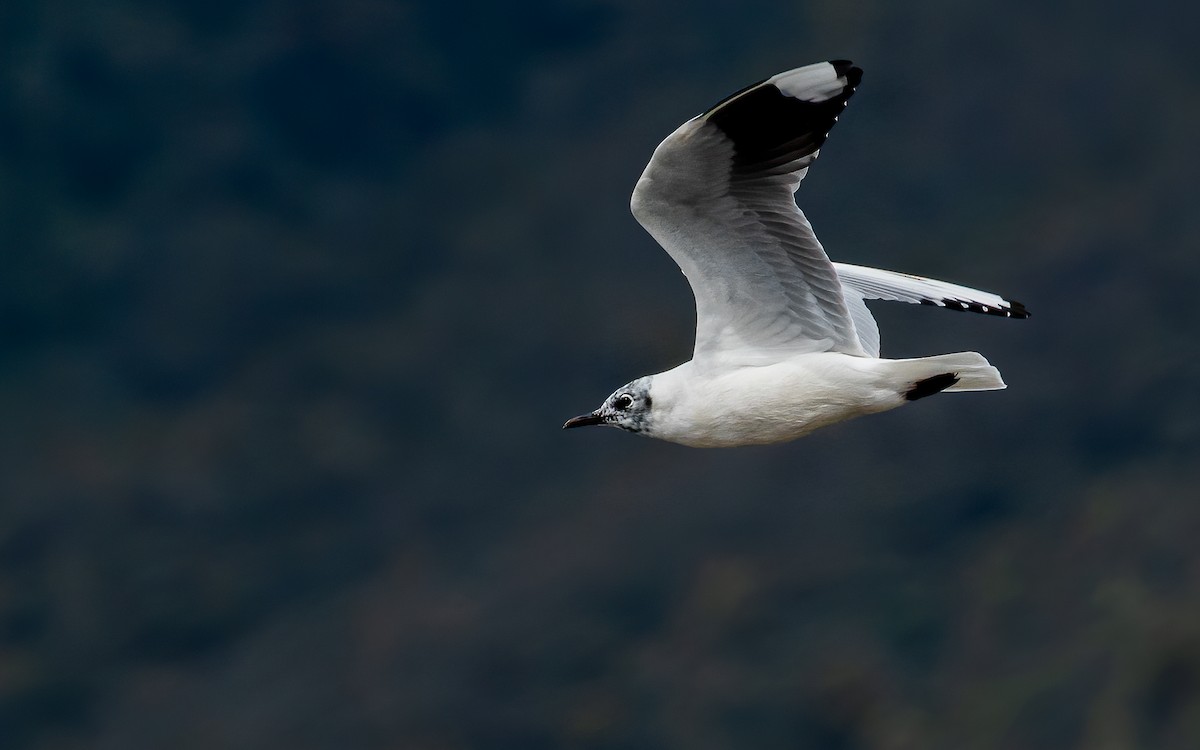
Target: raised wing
pixel 718 196
pixel 875 283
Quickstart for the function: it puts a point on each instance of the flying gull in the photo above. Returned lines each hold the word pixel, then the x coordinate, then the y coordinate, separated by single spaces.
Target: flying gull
pixel 784 342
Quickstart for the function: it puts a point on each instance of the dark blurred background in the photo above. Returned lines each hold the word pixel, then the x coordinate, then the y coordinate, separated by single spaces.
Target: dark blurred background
pixel 297 295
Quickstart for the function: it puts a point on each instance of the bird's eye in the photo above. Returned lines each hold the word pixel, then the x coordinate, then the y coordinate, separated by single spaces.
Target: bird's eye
pixel 623 402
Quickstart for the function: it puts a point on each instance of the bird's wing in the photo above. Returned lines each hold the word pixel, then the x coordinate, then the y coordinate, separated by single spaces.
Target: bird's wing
pixel 718 196
pixel 864 322
pixel 875 283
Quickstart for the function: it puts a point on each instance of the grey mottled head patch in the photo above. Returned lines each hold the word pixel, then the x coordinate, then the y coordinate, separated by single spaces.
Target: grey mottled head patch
pixel 629 407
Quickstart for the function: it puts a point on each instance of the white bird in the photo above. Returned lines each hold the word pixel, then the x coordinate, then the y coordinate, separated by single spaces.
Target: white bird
pixel 784 341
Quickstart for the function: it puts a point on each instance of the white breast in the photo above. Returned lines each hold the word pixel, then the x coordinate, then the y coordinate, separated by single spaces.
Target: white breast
pixel 771 404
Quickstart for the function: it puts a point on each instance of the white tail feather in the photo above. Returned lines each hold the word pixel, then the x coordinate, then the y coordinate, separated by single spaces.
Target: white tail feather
pixel 973 371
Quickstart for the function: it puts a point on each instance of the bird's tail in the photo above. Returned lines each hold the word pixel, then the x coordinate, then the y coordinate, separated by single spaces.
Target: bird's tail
pixel 963 371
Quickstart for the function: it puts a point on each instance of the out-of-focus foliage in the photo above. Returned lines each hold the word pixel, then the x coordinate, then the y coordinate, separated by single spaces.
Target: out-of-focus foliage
pixel 296 295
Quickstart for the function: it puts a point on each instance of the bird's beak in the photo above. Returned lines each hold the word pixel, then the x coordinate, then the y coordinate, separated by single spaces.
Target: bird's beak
pixel 584 420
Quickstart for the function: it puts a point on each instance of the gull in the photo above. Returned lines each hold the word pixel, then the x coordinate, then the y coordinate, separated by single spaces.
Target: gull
pixel 784 341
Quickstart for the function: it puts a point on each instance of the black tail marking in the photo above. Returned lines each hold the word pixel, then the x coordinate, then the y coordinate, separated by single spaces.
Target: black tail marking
pixel 931 385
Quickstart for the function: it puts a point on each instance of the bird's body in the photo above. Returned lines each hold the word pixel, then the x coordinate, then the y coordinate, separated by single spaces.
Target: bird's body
pixel 772 403
pixel 765 404
pixel 784 342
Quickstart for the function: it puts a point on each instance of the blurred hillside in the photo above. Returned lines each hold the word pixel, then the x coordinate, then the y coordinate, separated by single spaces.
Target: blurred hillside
pixel 298 295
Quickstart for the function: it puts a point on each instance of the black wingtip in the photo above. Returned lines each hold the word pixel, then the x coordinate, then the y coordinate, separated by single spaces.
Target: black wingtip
pixel 846 69
pixel 1017 310
pixel 1010 308
pixel 931 385
pixel 771 127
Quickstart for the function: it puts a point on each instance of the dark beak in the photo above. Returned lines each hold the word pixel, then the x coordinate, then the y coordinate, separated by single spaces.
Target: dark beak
pixel 584 421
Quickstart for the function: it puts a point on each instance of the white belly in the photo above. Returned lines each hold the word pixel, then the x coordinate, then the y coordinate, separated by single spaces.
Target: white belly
pixel 759 405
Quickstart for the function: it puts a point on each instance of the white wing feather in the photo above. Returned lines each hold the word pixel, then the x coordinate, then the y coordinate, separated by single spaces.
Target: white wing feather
pixel 875 283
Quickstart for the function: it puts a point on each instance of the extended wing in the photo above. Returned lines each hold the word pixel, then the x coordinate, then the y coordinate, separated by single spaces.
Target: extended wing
pixel 861 283
pixel 718 196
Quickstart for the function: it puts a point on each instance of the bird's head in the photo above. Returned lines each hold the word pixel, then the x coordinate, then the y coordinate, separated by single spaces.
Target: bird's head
pixel 629 407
